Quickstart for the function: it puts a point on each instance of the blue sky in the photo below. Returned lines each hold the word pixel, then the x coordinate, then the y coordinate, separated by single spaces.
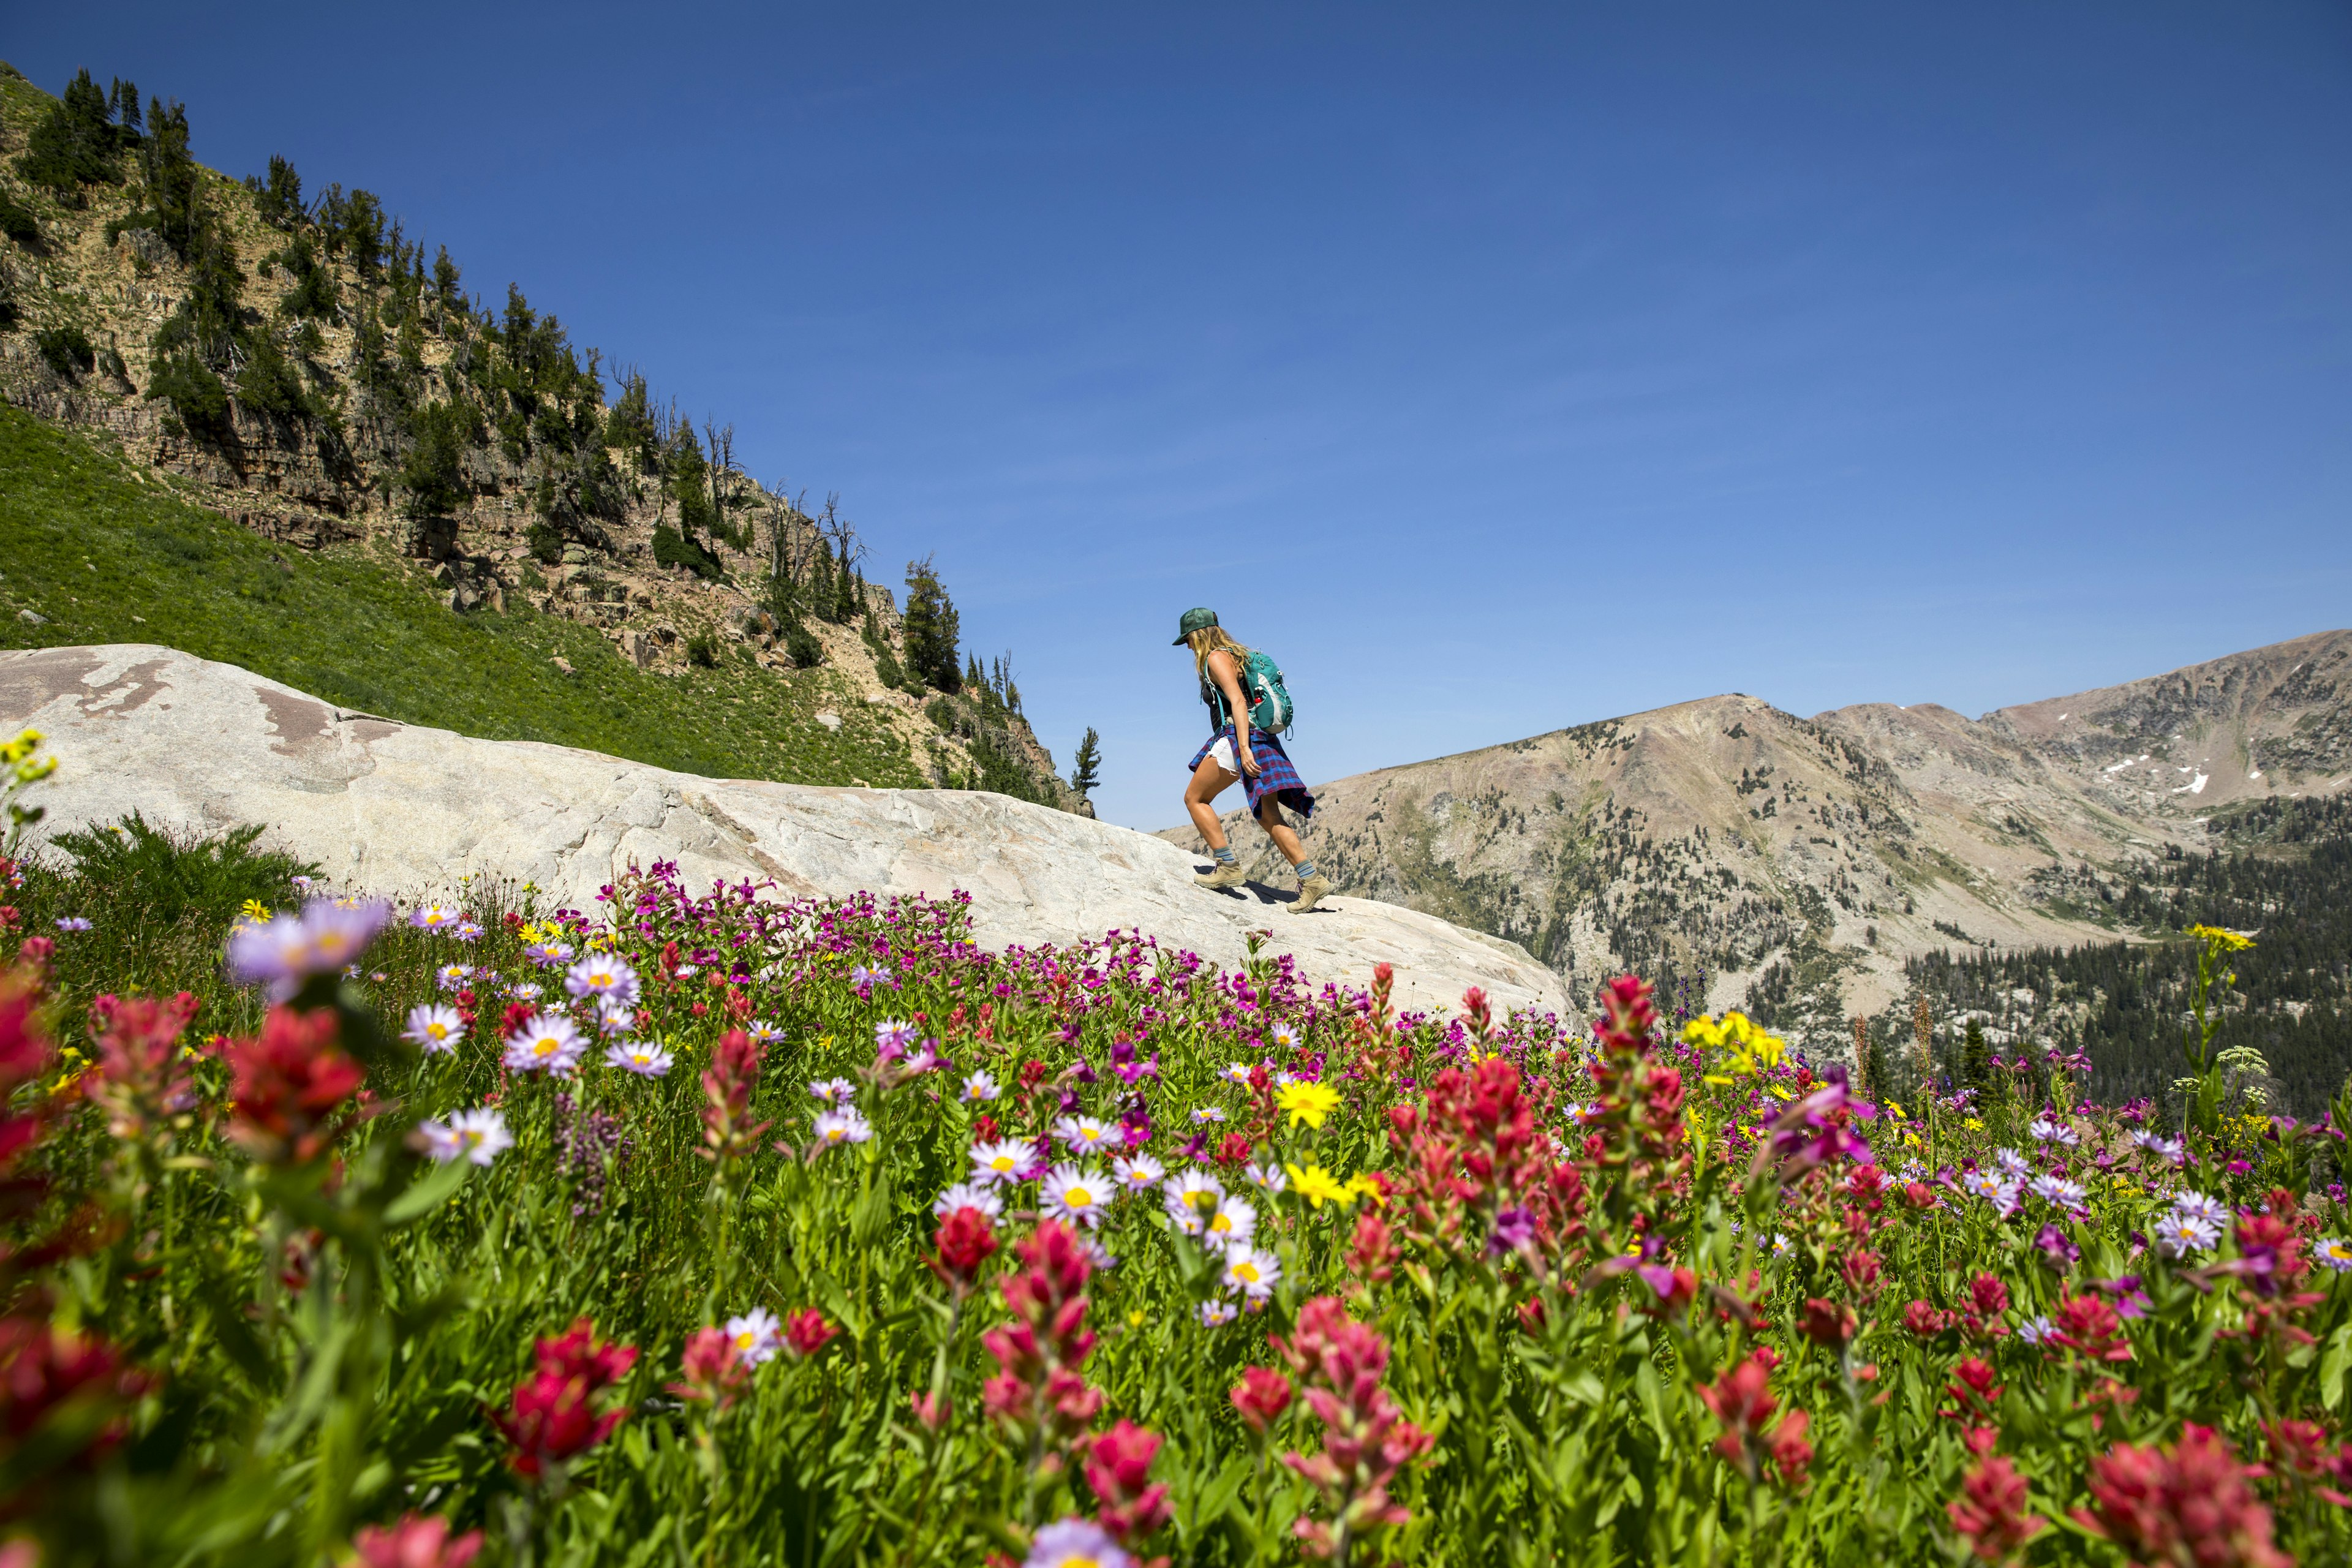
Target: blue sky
pixel 1495 368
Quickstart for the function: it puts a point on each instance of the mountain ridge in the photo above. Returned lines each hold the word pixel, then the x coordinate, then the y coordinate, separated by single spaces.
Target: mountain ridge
pixel 1796 864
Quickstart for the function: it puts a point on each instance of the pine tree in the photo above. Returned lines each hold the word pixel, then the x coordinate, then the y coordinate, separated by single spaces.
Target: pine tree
pixel 279 195
pixel 445 285
pixel 1976 1058
pixel 929 630
pixel 1086 767
pixel 174 183
pixel 76 144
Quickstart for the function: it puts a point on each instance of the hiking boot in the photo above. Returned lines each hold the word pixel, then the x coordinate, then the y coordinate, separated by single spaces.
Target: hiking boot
pixel 1223 874
pixel 1310 893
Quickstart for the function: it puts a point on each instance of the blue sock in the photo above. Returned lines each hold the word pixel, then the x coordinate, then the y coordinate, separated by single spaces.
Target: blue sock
pixel 1305 869
pixel 1225 856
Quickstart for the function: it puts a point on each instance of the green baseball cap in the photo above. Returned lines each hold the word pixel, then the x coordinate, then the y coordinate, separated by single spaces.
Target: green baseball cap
pixel 1194 620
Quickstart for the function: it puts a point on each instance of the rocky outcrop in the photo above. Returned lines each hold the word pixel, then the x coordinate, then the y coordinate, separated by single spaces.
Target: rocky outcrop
pixel 407 810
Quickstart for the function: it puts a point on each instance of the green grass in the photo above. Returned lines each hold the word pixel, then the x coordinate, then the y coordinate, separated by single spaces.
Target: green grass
pixel 110 558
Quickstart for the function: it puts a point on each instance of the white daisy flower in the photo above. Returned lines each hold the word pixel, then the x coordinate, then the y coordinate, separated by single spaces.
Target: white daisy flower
pixel 1076 1194
pixel 644 1058
pixel 1137 1172
pixel 835 1127
pixel 481 1136
pixel 435 1028
pixel 969 1195
pixel 1251 1270
pixel 549 1042
pixel 756 1336
pixel 1232 1221
pixel 1003 1161
pixel 1084 1134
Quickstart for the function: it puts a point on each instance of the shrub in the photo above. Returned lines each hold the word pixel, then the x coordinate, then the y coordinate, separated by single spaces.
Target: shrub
pixel 702 650
pixel 193 392
pixel 546 545
pixel 67 350
pixel 433 470
pixel 674 549
pixel 801 646
pixel 16 221
pixel 269 385
pixel 141 872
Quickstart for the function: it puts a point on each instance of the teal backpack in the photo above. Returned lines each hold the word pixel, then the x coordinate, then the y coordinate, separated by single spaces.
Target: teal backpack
pixel 1269 700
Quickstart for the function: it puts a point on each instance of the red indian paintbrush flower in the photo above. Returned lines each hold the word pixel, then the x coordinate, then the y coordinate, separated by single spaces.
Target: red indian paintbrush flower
pixel 415 1543
pixel 139 1079
pixel 2303 1451
pixel 1990 1517
pixel 1366 1438
pixel 1038 1393
pixel 1118 1469
pixel 728 1131
pixel 807 1332
pixel 1742 1400
pixel 552 1418
pixel 24 1054
pixel 965 1240
pixel 287 1085
pixel 2190 1502
pixel 715 1373
pixel 43 1371
pixel 1261 1396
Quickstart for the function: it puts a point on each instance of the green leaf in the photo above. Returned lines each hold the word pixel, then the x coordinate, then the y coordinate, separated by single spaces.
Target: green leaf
pixel 2331 1365
pixel 423 1196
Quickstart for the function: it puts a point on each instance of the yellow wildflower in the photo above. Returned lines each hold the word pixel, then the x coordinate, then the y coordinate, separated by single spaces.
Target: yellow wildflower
pixel 17 755
pixel 1973 1124
pixel 1751 1050
pixel 1365 1187
pixel 1318 1186
pixel 253 910
pixel 2222 940
pixel 75 1064
pixel 1307 1102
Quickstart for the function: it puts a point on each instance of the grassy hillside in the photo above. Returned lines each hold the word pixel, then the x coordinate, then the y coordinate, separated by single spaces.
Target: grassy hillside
pixel 108 550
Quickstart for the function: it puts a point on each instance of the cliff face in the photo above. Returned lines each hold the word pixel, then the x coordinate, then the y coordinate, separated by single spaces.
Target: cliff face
pixel 338 347
pixel 1798 862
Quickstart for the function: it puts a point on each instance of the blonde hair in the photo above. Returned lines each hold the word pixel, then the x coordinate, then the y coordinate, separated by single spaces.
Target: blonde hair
pixel 1209 640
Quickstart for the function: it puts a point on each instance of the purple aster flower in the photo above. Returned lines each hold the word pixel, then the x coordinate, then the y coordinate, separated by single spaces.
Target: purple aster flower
pixel 604 976
pixel 281 953
pixel 2057 1248
pixel 1514 1229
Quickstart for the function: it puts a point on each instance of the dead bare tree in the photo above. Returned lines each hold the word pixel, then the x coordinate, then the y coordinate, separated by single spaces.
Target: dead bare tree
pixel 720 442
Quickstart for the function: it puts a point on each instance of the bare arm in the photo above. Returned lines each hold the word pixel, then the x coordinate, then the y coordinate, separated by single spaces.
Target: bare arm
pixel 1227 674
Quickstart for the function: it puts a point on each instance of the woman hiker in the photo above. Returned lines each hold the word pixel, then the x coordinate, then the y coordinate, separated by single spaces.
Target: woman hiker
pixel 1217 661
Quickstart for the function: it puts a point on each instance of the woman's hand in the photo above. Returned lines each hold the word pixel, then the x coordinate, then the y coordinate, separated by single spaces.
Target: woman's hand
pixel 1246 754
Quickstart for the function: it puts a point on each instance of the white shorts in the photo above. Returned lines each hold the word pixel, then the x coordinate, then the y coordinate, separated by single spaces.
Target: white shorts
pixel 1222 753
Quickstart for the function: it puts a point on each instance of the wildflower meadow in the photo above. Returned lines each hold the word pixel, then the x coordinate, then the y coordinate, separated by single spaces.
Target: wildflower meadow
pixel 709 1225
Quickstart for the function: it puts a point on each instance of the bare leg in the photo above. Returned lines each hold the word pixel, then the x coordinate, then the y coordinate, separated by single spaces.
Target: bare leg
pixel 1209 781
pixel 1285 838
